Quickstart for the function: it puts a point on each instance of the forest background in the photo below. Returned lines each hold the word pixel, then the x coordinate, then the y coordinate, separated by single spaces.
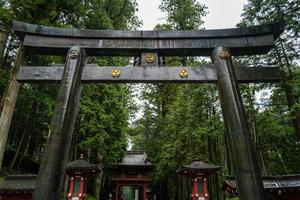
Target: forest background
pixel 178 122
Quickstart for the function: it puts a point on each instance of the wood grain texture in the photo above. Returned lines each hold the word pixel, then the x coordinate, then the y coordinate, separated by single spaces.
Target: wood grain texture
pixel 96 74
pixel 56 41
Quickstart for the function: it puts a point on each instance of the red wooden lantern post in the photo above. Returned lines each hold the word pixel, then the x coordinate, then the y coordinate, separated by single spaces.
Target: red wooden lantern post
pixel 80 171
pixel 198 172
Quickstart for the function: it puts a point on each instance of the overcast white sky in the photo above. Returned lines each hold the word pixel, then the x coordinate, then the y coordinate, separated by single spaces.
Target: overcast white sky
pixel 222 13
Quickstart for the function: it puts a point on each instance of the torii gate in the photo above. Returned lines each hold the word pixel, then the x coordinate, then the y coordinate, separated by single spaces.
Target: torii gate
pixel 149 46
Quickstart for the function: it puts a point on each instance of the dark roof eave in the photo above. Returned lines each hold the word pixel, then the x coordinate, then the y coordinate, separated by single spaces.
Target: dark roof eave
pixel 201 169
pixel 22 28
pixel 17 190
pixel 197 165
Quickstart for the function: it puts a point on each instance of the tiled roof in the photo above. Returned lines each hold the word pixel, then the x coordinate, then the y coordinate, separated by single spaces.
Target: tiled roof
pixel 18 183
pixel 199 165
pixel 81 164
pixel 135 158
pixel 273 182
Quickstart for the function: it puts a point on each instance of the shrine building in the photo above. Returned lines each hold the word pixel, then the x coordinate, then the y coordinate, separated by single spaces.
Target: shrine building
pixel 198 172
pixel 284 187
pixel 132 177
pixel 21 187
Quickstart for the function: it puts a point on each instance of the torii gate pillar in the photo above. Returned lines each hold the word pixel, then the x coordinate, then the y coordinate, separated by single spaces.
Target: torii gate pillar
pixel 240 146
pixel 52 169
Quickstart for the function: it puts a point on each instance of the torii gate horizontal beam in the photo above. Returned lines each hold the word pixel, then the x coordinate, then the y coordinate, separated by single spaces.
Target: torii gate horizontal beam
pixel 241 41
pixel 93 73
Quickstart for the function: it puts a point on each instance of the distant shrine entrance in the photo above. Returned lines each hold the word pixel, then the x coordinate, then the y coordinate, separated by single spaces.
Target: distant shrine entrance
pixel 131 178
pixel 149 47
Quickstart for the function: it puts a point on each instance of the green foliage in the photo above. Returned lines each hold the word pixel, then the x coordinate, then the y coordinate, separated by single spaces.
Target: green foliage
pixel 102 121
pixel 295 83
pixel 182 122
pixel 179 122
pixel 5 13
pixel 234 198
pixel 273 117
pixel 89 197
pixel 285 11
pixel 184 14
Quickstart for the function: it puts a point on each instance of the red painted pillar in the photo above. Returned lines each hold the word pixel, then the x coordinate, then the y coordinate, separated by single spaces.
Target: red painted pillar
pixel 117 191
pixel 81 189
pixel 192 189
pixel 195 189
pixel 85 187
pixel 71 187
pixel 144 191
pixel 205 189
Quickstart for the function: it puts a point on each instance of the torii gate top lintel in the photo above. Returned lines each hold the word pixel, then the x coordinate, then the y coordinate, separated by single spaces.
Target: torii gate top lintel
pixel 241 41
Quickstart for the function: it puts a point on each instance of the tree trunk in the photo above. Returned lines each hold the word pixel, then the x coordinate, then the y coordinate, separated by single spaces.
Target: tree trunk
pixel 252 116
pixel 176 188
pixel 3 40
pixel 14 137
pixel 32 147
pixel 98 179
pixel 23 144
pixel 66 186
pixel 22 139
pixel 214 185
pixel 9 101
pixel 291 100
pixel 257 140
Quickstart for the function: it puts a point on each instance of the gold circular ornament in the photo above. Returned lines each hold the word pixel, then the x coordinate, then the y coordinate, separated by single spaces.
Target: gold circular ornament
pixel 150 58
pixel 184 73
pixel 116 72
pixel 224 54
pixel 74 54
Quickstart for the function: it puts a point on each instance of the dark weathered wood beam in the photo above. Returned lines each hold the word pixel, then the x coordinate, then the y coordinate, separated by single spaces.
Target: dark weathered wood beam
pixel 56 41
pixel 96 74
pixel 55 156
pixel 241 148
pixel 251 45
pixel 23 28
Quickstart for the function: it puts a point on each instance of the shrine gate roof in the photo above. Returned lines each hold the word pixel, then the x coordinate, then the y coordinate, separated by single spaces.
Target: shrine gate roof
pixel 81 164
pixel 199 165
pixel 198 168
pixel 135 158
